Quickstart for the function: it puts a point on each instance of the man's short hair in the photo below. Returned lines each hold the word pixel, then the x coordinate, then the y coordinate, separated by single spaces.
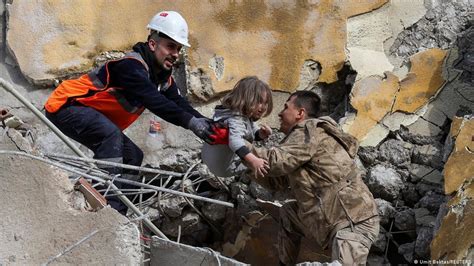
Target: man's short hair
pixel 157 35
pixel 308 100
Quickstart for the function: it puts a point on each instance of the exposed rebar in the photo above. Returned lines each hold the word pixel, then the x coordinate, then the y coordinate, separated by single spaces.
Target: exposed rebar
pixel 9 87
pixel 123 198
pixel 82 240
pixel 106 179
pixel 125 166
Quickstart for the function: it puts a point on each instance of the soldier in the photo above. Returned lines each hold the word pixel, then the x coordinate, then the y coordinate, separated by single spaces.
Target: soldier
pixel 315 161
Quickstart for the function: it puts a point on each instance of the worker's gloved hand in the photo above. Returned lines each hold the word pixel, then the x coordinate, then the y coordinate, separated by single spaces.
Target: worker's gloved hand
pixel 220 133
pixel 202 128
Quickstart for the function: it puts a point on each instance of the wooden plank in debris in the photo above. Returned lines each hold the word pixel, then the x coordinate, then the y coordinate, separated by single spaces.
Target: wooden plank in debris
pixel 93 197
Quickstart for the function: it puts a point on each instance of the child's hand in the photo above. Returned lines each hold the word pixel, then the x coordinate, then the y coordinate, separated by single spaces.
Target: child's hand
pixel 258 165
pixel 264 132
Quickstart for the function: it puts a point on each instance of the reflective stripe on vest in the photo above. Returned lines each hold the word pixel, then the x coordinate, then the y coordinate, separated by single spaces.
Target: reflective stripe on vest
pixel 88 90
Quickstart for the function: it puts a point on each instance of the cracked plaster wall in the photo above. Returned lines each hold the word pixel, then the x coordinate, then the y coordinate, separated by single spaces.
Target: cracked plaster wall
pixel 455 237
pixel 271 39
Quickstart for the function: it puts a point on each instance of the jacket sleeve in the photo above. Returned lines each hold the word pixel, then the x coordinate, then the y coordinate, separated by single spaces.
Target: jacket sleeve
pixel 173 94
pixel 285 158
pixel 133 77
pixel 237 132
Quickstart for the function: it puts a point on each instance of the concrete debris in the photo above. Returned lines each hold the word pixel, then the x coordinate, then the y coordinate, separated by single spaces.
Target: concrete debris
pixel 386 210
pixel 106 56
pixel 422 243
pixel 418 171
pixel 368 155
pixel 384 182
pixel 41 194
pixel 422 127
pixel 259 192
pixel 405 220
pixel 186 224
pixel 414 138
pixel 238 188
pixel 200 85
pixel 430 155
pixel 423 218
pixel 410 194
pixel 216 214
pixel 424 188
pixel 431 201
pixel 172 206
pixel 465 61
pixel 407 250
pixel 395 152
pixel 310 72
pixel 439 28
pixel 165 252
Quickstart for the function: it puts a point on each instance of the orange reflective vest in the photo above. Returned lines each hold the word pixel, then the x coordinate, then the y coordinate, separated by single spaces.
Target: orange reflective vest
pixel 88 90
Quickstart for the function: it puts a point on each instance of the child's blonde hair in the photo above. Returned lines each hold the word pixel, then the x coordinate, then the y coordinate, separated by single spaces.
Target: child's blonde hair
pixel 247 94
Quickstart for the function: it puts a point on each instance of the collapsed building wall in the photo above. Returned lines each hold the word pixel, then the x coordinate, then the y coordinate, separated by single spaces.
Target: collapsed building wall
pixel 44 218
pixel 398 88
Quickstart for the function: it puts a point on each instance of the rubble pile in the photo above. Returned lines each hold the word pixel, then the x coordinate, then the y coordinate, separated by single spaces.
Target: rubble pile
pixel 404 173
pixel 439 28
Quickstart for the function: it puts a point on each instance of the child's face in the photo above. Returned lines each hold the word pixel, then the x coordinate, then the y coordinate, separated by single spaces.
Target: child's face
pixel 259 111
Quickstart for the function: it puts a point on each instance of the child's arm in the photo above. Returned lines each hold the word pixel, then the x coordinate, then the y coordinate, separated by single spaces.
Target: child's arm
pixel 237 143
pixel 258 165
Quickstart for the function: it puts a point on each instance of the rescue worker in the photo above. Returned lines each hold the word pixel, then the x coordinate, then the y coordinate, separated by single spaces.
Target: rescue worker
pixel 316 162
pixel 95 108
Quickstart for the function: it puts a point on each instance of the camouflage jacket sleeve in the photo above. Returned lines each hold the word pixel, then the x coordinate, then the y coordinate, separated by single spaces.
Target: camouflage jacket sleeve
pixel 294 152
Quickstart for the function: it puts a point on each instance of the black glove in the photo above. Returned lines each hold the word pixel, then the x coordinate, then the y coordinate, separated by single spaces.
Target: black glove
pixel 202 128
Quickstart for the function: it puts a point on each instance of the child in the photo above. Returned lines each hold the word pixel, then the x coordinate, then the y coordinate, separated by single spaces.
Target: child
pixel 250 100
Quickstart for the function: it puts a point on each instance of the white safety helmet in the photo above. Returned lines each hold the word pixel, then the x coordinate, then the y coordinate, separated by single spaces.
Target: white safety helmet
pixel 172 24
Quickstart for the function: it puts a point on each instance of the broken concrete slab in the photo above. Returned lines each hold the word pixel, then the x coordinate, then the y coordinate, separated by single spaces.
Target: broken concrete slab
pixel 422 82
pixel 418 171
pixel 166 252
pixel 393 120
pixel 375 136
pixel 38 221
pixel 434 115
pixel 424 128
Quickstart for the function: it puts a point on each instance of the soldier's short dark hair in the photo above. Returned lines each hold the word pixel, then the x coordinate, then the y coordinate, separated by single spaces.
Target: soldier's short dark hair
pixel 308 100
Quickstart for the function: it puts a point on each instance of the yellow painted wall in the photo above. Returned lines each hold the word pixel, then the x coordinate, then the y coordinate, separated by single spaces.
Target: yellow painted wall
pixel 270 39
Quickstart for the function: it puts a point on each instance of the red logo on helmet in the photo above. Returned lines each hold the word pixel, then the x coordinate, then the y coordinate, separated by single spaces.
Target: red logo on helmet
pixel 163 14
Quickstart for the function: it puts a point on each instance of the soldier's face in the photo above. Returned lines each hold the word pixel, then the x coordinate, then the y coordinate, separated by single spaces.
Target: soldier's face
pixel 166 52
pixel 290 116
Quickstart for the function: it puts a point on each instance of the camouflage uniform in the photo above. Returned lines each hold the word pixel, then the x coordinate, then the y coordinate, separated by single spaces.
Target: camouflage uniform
pixel 316 161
